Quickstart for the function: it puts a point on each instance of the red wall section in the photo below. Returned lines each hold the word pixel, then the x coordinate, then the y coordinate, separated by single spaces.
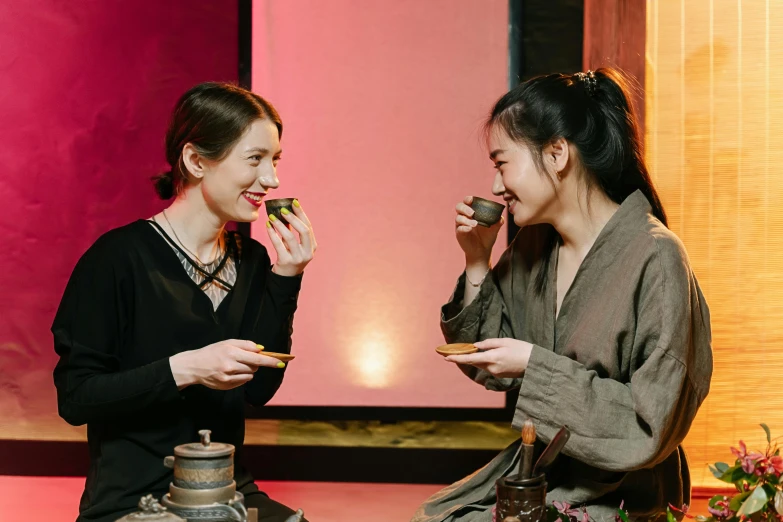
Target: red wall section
pixel 86 88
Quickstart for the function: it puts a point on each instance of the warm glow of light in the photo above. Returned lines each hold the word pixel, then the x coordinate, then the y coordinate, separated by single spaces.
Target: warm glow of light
pixel 371 342
pixel 373 366
pixel 714 111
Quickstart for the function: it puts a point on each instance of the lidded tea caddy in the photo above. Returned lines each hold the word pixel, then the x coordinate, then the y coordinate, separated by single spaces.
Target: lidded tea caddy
pixel 203 489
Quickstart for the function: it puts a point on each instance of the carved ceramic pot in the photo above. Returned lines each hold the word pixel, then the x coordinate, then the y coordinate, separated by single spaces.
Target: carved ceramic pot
pixel 523 500
pixel 231 511
pixel 151 511
pixel 203 465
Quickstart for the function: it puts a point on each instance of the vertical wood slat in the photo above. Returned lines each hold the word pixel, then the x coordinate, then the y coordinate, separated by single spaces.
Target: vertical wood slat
pixel 615 36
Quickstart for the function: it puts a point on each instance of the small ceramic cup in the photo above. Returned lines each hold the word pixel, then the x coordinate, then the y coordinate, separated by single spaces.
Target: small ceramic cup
pixel 274 206
pixel 487 212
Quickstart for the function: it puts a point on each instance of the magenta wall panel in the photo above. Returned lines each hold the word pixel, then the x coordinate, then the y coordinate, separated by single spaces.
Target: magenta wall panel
pixel 86 88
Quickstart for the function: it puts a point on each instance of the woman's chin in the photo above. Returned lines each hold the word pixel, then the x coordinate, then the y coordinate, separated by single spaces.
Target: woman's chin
pixel 521 220
pixel 246 216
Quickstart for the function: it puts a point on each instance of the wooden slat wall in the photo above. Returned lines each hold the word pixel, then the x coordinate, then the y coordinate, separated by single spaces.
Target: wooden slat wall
pixel 714 105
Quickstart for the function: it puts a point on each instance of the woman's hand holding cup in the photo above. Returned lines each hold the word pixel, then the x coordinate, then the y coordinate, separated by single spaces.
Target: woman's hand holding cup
pixel 475 240
pixel 294 251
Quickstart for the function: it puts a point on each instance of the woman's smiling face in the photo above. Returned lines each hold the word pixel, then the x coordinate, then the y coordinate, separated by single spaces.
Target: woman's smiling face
pixel 528 192
pixel 235 186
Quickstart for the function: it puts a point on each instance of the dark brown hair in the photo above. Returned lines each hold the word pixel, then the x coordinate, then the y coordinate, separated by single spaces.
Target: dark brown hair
pixel 592 111
pixel 212 117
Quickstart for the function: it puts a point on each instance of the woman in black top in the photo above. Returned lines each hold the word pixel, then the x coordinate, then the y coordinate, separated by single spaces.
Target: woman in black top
pixel 163 323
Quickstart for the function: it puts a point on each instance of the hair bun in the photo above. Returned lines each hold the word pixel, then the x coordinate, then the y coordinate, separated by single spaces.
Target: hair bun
pixel 164 184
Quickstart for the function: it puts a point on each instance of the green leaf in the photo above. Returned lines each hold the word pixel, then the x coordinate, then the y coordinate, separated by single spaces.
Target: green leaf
pixel 623 515
pixel 755 502
pixel 670 516
pixel 732 474
pixel 770 491
pixel 552 514
pixel 769 435
pixel 719 469
pixel 715 499
pixel 737 500
pixel 722 466
pixel 735 475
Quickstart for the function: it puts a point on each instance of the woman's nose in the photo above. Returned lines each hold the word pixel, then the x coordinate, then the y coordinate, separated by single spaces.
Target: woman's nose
pixel 498 188
pixel 269 180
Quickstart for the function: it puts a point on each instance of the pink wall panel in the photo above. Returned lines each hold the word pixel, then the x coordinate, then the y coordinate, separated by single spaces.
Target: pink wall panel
pixel 86 88
pixel 383 104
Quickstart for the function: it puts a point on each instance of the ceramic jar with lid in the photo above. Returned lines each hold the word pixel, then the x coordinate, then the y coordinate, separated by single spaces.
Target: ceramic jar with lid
pixel 203 472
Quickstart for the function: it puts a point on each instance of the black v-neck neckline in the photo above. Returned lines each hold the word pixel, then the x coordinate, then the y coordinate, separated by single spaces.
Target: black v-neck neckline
pixel 173 260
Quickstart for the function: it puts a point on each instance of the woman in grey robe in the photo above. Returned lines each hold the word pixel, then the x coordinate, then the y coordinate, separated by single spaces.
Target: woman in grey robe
pixel 592 313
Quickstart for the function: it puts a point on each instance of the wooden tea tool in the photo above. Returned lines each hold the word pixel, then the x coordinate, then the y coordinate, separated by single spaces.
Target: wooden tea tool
pixel 552 450
pixel 526 453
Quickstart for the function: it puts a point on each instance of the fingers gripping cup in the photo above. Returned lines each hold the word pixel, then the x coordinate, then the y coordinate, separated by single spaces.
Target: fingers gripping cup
pixel 275 206
pixel 486 212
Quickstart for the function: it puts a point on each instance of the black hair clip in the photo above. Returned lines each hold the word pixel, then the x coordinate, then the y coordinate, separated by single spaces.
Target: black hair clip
pixel 589 80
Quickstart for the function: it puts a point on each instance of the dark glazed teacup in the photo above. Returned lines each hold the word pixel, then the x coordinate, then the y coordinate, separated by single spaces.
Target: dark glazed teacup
pixel 486 212
pixel 274 206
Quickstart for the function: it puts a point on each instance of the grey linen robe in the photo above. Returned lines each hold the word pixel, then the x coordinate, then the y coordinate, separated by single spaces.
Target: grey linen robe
pixel 625 365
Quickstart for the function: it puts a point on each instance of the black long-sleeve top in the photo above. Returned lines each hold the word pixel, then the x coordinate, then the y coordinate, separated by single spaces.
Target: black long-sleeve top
pixel 129 306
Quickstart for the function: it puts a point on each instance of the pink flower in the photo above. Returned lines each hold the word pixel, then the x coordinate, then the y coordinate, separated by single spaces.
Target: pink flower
pixel 747 460
pixel 721 509
pixel 617 516
pixel 741 452
pixel 752 461
pixel 566 509
pixel 776 463
pixel 683 510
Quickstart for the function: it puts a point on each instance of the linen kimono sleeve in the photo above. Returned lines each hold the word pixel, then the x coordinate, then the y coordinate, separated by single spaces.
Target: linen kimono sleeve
pixel 620 426
pixel 88 336
pixel 486 317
